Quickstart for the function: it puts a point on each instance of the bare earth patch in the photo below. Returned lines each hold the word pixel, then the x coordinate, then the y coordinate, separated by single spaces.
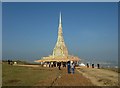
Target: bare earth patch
pixel 13 81
pixel 100 77
pixel 28 65
pixel 65 79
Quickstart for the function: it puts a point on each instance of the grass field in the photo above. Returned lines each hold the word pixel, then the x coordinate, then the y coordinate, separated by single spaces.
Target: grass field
pixel 35 75
pixel 40 76
pixel 25 76
pixel 113 69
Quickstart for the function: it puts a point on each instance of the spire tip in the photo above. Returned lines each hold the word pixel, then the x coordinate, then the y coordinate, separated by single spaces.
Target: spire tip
pixel 60 18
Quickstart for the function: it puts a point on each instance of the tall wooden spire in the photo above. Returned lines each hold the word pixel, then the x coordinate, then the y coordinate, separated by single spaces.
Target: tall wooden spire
pixel 60 52
pixel 60 47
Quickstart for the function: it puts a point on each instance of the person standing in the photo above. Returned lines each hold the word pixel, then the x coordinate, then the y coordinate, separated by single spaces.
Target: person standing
pixel 73 68
pixel 59 65
pixel 87 65
pixel 92 65
pixel 68 67
pixel 98 65
pixel 49 64
pixel 8 61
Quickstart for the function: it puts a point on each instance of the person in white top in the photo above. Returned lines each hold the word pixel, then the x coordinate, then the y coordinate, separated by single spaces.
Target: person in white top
pixel 73 67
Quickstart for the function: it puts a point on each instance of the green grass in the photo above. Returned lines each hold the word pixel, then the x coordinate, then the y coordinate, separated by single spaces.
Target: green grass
pixel 25 76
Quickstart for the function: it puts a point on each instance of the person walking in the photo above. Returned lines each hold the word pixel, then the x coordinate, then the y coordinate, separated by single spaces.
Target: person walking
pixel 68 67
pixel 73 68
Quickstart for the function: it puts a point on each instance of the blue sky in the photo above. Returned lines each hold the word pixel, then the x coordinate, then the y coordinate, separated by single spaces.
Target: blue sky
pixel 90 30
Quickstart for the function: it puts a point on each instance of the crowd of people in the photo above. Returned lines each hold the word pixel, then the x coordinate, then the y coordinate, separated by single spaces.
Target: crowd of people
pixel 71 67
pixel 10 62
pixel 98 66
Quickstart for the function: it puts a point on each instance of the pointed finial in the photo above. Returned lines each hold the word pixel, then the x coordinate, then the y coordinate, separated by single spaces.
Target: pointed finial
pixel 60 18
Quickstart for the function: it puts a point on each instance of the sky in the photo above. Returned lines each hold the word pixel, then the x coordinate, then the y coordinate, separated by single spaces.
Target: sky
pixel 90 29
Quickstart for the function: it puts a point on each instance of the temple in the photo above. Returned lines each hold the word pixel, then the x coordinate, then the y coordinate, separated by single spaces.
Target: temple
pixel 60 51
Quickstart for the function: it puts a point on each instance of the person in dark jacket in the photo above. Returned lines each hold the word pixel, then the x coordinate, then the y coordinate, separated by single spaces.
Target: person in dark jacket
pixel 98 65
pixel 92 65
pixel 87 65
pixel 59 65
pixel 68 67
pixel 8 61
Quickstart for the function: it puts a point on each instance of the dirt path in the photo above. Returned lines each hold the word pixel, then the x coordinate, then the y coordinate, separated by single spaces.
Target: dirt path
pixel 27 65
pixel 77 79
pixel 100 77
pixel 82 77
pixel 64 79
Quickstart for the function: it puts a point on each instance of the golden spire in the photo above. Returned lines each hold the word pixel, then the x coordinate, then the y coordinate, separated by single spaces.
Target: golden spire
pixel 60 48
